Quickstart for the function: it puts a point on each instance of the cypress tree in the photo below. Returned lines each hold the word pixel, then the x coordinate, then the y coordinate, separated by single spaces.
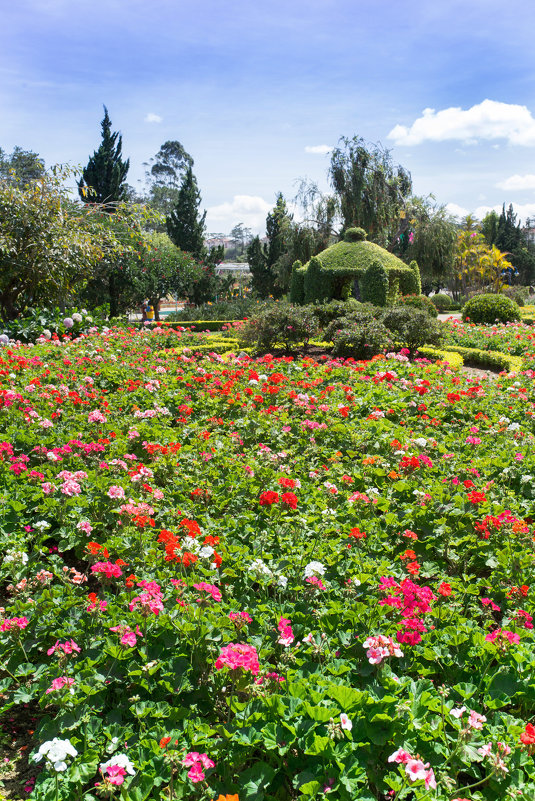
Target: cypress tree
pixel 103 180
pixel 184 225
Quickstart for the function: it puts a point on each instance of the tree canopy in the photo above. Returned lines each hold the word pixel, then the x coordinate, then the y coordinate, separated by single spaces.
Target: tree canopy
pixel 371 189
pixel 104 178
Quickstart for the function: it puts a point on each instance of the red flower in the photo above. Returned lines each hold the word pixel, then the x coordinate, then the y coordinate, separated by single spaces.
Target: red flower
pixel 164 741
pixel 268 498
pixel 357 534
pixel 528 736
pixel 476 497
pixel 444 589
pixel 289 499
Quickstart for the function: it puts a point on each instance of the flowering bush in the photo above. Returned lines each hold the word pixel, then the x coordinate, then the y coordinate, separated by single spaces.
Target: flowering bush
pixel 266 578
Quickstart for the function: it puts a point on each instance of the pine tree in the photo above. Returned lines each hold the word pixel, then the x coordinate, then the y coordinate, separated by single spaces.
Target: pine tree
pixel 103 180
pixel 184 225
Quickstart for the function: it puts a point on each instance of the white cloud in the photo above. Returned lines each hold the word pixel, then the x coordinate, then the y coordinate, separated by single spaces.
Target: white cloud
pixel 153 117
pixel 250 210
pixel 322 150
pixel 455 210
pixel 518 182
pixel 487 120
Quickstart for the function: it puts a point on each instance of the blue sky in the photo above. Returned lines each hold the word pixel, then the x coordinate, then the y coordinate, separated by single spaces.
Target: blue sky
pixel 248 87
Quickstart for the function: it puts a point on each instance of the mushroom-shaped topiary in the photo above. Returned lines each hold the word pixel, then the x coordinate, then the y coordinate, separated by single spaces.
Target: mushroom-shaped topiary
pixel 355 235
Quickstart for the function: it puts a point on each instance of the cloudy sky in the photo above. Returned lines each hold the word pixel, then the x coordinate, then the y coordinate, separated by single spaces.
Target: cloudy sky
pixel 258 92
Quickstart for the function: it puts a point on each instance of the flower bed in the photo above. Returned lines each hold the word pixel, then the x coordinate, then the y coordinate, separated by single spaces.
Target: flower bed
pixel 271 579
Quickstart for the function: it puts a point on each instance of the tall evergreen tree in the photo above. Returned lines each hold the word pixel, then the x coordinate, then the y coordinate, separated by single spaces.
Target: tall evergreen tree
pixel 104 179
pixel 184 224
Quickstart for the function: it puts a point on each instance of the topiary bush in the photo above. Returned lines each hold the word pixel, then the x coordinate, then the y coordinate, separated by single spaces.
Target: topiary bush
pixel 491 309
pixel 355 235
pixel 412 327
pixel 297 283
pixel 421 302
pixel 374 285
pixel 442 302
pixel 280 324
pixel 360 337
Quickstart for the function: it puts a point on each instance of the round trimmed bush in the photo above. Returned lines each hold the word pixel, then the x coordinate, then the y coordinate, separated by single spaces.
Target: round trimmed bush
pixel 421 302
pixel 360 338
pixel 491 309
pixel 412 327
pixel 355 235
pixel 442 302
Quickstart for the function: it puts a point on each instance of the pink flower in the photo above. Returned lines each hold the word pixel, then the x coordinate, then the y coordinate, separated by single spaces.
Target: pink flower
pixel 116 492
pixel 415 770
pixel 128 637
pixel 84 525
pixel 58 684
pixel 107 568
pixel 430 781
pixel 475 721
pixel 116 774
pixel 285 629
pixel 13 623
pixel 68 647
pixel 345 722
pixel 400 756
pixel 196 773
pixel 96 417
pixel 238 655
pixel 211 589
pixel 485 750
pixel 457 713
pixel 503 635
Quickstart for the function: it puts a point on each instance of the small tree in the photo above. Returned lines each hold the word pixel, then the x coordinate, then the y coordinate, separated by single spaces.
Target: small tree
pixel 104 179
pixel 48 245
pixel 184 224
pixel 21 167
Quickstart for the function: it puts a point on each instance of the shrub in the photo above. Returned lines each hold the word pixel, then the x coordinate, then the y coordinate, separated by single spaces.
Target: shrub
pixel 442 302
pixel 519 294
pixel 421 302
pixel 393 292
pixel 297 283
pixel 359 338
pixel 374 286
pixel 491 309
pixel 412 327
pixel 327 312
pixel 355 235
pixel 279 324
pixel 235 309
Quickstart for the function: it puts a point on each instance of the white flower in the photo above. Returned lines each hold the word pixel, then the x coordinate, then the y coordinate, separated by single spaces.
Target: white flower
pixel 313 568
pixel 41 525
pixel 120 761
pixel 56 751
pixel 525 479
pixel 259 566
pixel 16 556
pixel 46 333
pixel 77 317
pixel 421 442
pixel 345 722
pixel 282 581
pixel 513 427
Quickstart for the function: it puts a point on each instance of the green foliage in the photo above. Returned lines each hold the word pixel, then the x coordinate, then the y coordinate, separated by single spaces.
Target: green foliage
pixel 297 283
pixel 519 294
pixel 104 178
pixel 371 189
pixel 263 277
pixel 360 336
pixel 417 288
pixel 184 225
pixel 164 174
pixel 316 290
pixel 393 292
pixel 279 324
pixel 433 242
pixel 421 302
pixel 48 245
pixel 21 167
pixel 442 302
pixel 327 312
pixel 374 285
pixel 411 327
pixel 355 235
pixel 491 309
pixel 50 323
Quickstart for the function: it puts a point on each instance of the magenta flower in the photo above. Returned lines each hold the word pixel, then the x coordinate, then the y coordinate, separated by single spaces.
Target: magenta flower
pixel 238 655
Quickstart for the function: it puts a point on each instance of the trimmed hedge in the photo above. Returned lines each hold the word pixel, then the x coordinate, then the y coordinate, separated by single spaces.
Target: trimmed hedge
pixel 442 302
pixel 420 302
pixel 491 309
pixel 374 286
pixel 455 360
pixel 297 283
pixel 489 358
